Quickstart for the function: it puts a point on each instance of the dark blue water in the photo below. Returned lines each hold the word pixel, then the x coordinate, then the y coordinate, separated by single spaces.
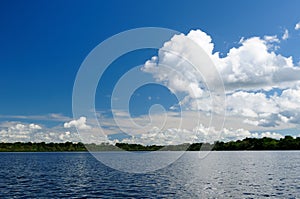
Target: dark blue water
pixel 218 175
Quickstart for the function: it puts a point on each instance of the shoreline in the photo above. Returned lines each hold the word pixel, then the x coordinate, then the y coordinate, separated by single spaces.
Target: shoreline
pixel 248 144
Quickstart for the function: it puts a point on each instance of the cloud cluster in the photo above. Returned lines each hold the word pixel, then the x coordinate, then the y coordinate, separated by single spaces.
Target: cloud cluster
pixel 174 70
pixel 266 111
pixel 198 134
pixel 68 131
pixel 23 132
pixel 252 65
pixel 250 72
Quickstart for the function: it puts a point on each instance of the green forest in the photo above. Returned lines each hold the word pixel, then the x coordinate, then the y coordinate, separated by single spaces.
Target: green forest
pixel 286 143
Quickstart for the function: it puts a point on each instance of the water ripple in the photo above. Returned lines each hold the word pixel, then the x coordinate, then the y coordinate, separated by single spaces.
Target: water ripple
pixel 219 175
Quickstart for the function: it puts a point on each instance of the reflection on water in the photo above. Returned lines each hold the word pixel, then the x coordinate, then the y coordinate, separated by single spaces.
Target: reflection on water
pixel 218 175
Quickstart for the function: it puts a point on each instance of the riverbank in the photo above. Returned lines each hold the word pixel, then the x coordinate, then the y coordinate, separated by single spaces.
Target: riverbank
pixel 286 143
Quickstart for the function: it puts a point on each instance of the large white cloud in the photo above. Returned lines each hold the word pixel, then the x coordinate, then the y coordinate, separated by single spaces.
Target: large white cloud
pixel 272 111
pixel 289 103
pixel 255 107
pixel 249 71
pixel 252 65
pixel 179 75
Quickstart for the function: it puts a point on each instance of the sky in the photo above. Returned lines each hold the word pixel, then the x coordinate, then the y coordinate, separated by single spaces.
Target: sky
pixel 254 45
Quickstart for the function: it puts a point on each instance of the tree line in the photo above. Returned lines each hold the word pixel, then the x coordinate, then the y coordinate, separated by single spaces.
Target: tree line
pixel 286 143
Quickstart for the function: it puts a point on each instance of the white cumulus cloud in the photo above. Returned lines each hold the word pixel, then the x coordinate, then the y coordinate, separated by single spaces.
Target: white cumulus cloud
pixel 249 72
pixel 252 65
pixel 79 124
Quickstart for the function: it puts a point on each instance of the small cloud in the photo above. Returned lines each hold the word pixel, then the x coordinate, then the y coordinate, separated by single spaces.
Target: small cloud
pixel 297 26
pixel 79 124
pixel 271 39
pixel 58 117
pixel 35 126
pixel 242 40
pixel 271 135
pixel 48 117
pixel 285 36
pixel 65 136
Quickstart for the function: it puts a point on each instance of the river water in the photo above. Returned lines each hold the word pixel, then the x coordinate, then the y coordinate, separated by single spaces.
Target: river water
pixel 240 174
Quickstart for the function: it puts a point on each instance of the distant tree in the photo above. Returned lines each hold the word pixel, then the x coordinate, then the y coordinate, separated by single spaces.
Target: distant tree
pixel 286 143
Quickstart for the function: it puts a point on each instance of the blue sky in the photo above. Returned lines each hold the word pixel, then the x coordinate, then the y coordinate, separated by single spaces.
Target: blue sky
pixel 43 44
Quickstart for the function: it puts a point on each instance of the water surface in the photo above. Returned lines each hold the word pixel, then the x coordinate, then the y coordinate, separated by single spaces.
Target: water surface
pixel 260 174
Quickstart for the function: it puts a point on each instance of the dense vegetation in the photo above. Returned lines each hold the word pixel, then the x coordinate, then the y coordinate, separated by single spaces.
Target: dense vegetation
pixel 286 143
pixel 53 147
